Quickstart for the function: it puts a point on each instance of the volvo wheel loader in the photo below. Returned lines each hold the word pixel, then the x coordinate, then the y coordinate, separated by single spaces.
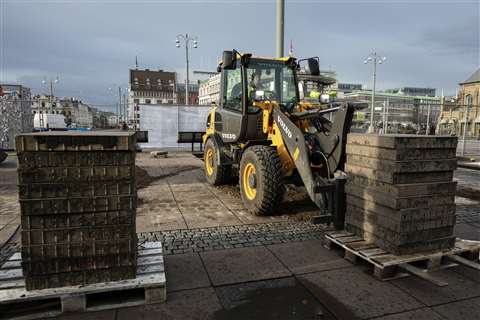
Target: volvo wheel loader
pixel 263 133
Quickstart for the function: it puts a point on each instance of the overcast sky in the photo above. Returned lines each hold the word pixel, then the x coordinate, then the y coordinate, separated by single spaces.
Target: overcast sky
pixel 90 45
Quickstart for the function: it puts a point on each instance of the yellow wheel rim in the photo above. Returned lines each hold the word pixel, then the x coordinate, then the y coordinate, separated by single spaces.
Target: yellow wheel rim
pixel 209 161
pixel 249 181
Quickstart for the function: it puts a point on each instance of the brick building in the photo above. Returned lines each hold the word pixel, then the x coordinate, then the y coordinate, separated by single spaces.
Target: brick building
pixel 150 87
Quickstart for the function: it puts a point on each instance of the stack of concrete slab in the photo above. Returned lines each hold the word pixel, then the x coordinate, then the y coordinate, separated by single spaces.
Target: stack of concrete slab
pixel 400 192
pixel 78 201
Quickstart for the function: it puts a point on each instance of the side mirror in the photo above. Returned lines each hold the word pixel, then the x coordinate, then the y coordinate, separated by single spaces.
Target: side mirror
pixel 259 95
pixel 313 67
pixel 228 60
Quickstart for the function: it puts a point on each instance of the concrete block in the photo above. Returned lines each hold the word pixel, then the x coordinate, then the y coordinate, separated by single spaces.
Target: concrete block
pixel 409 248
pixel 32 159
pixel 72 220
pixel 404 190
pixel 75 174
pixel 400 154
pixel 388 200
pixel 403 166
pixel 402 141
pixel 399 178
pixel 76 189
pixel 79 249
pixel 77 205
pixel 430 213
pixel 75 141
pixel 395 223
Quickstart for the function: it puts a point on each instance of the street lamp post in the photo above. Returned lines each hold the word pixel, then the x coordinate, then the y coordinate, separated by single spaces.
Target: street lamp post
pixel 374 58
pixel 52 81
pixel 186 39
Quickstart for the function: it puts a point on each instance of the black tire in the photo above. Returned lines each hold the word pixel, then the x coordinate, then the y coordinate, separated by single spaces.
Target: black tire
pixel 219 174
pixel 268 180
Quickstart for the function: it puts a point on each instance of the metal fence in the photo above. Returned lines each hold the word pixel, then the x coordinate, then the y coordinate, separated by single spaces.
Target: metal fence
pixel 163 122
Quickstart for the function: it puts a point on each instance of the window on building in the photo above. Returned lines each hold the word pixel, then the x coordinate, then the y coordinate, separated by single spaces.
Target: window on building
pixel 148 101
pixel 43 104
pixel 469 100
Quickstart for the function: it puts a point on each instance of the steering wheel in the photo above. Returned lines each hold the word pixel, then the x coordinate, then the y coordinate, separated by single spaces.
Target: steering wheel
pixel 270 95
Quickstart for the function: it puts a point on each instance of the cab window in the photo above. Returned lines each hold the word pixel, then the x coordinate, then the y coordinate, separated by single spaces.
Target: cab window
pixel 233 92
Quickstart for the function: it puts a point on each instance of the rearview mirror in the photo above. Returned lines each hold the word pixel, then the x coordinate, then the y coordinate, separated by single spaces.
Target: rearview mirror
pixel 313 67
pixel 228 60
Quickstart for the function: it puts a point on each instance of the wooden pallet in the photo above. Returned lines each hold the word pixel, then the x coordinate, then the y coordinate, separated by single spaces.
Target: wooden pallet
pixel 388 266
pixel 148 287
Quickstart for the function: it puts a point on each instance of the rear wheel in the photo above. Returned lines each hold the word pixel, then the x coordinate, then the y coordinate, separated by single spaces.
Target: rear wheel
pixel 215 173
pixel 261 180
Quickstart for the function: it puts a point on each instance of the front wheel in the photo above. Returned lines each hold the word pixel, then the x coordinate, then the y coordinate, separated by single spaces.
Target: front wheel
pixel 261 180
pixel 215 173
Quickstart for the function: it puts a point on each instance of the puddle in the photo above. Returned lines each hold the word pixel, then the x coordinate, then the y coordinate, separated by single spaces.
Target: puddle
pixel 267 300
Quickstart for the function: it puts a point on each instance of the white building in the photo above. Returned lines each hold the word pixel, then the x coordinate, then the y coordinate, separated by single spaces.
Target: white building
pixel 209 90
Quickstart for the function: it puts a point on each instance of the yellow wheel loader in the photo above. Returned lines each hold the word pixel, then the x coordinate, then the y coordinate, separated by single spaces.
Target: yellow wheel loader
pixel 262 133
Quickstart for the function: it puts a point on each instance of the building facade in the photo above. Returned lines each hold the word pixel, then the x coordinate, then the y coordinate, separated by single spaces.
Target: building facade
pixel 465 108
pixel 76 113
pixel 403 113
pixel 192 94
pixel 150 87
pixel 15 115
pixel 209 90
pixel 414 91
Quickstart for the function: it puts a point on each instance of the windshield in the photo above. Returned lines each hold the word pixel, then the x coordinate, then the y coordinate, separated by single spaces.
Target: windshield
pixel 274 78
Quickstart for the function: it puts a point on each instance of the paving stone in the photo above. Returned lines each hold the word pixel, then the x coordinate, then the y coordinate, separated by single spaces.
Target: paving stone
pixel 399 154
pixel 467 231
pixel 271 299
pixel 7 232
pixel 420 314
pixel 197 304
pixel 97 315
pixel 205 219
pixel 432 165
pixel 402 141
pixel 467 272
pixel 241 265
pixel 465 310
pixel 156 222
pixel 459 287
pixel 185 271
pixel 399 178
pixel 308 256
pixel 359 293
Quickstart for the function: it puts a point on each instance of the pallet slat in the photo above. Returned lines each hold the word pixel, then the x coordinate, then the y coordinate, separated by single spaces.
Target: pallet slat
pixel 385 264
pixel 150 278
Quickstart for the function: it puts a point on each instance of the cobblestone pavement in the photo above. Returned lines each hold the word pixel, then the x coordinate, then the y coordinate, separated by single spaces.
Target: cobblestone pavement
pixel 228 237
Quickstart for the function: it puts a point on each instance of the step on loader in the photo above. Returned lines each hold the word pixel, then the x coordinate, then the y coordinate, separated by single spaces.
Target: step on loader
pixel 262 132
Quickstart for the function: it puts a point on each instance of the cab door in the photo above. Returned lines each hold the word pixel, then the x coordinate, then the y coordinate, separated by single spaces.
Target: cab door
pixel 229 118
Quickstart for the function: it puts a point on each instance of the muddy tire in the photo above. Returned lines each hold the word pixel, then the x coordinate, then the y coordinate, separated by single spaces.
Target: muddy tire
pixel 261 180
pixel 215 173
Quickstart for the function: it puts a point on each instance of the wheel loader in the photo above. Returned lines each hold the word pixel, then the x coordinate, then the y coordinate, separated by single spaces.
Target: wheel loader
pixel 263 133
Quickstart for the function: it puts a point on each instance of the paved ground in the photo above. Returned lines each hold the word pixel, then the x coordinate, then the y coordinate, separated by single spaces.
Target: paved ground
pixel 222 263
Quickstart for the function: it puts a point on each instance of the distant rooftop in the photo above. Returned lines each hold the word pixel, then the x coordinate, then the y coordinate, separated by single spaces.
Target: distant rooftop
pixel 475 77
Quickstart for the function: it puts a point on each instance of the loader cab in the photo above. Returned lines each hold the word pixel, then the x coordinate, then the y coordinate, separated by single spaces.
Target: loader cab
pixel 244 79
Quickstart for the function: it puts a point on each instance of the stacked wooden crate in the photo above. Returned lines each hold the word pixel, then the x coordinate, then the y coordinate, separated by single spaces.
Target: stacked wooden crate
pixel 78 199
pixel 400 191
